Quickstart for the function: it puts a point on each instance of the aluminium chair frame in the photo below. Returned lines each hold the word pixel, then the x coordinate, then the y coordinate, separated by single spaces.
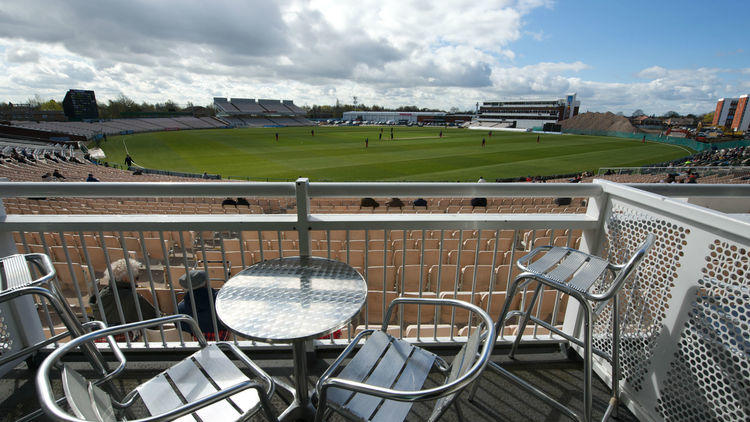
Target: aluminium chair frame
pixel 584 298
pixel 327 381
pixel 50 407
pixel 33 288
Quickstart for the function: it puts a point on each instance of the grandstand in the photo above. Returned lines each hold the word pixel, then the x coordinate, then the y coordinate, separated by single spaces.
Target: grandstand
pixel 247 106
pixel 123 126
pixel 525 114
pixel 239 112
pixel 247 112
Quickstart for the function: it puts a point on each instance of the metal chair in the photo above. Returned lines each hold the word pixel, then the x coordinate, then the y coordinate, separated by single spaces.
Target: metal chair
pixel 590 280
pixel 207 383
pixel 387 374
pixel 17 281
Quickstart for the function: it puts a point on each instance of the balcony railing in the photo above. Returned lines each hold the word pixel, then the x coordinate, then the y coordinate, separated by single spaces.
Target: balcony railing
pixel 683 311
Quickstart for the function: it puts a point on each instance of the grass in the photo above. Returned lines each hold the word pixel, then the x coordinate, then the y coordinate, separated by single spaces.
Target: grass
pixel 415 154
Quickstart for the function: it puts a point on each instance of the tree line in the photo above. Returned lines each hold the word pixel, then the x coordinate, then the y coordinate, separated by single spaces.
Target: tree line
pixel 122 106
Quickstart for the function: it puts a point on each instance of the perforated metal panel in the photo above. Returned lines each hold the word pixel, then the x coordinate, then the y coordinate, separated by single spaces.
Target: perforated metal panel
pixel 6 342
pixel 644 298
pixel 709 375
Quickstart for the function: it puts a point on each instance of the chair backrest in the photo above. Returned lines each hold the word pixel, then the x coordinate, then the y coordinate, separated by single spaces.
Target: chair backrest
pixel 461 364
pixel 87 401
pixel 628 267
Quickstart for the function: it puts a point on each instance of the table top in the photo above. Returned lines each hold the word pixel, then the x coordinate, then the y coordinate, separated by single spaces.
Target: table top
pixel 288 299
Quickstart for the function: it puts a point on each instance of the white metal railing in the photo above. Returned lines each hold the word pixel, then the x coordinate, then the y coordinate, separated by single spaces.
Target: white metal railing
pixel 194 235
pixel 694 248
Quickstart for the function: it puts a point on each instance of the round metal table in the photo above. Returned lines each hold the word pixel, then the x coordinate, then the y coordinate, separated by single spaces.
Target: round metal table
pixel 292 300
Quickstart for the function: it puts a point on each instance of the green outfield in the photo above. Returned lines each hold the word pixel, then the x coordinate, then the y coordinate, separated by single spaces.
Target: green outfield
pixel 415 154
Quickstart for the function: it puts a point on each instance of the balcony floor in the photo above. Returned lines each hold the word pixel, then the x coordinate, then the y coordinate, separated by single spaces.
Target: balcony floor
pixel 550 371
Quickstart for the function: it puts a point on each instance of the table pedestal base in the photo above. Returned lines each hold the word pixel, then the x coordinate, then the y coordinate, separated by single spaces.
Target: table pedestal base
pixel 300 407
pixel 298 412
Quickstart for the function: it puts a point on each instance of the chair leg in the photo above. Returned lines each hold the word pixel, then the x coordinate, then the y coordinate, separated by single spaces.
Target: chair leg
pixel 524 320
pixel 459 412
pixel 500 324
pixel 587 360
pixel 615 353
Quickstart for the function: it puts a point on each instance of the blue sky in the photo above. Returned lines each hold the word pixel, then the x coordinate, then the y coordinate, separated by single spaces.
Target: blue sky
pixel 618 39
pixel 618 56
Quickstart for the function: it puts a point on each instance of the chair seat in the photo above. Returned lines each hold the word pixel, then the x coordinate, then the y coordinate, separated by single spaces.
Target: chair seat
pixel 205 372
pixel 383 361
pixel 568 268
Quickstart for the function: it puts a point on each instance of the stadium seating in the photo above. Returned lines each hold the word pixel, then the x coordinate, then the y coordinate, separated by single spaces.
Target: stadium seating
pixel 119 126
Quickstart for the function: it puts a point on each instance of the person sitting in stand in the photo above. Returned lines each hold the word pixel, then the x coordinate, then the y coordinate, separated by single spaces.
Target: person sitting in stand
pixel 420 202
pixel 229 202
pixel 18 157
pixel 120 288
pixel 205 316
pixel 57 174
pixel 394 202
pixel 671 178
pixel 242 201
pixel 46 175
pixel 91 178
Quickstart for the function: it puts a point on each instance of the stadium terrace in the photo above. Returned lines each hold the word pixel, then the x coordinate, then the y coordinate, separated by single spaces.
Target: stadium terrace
pixel 682 311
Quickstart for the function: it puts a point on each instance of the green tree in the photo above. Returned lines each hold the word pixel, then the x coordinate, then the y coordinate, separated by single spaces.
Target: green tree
pixel 51 105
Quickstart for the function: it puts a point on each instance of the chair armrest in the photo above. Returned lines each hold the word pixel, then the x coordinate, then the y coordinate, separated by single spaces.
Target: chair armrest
pixel 346 352
pixel 54 358
pixel 526 258
pixel 254 368
pixel 430 301
pixel 44 263
pixel 44 387
pixel 627 268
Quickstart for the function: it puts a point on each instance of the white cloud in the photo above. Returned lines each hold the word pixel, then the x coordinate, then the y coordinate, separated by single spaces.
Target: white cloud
pixel 388 52
pixel 20 55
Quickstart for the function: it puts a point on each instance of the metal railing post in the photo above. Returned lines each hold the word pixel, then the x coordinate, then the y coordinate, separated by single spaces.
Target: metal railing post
pixel 302 186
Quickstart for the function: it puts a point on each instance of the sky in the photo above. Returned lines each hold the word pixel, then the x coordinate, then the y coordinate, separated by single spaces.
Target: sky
pixel 657 56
